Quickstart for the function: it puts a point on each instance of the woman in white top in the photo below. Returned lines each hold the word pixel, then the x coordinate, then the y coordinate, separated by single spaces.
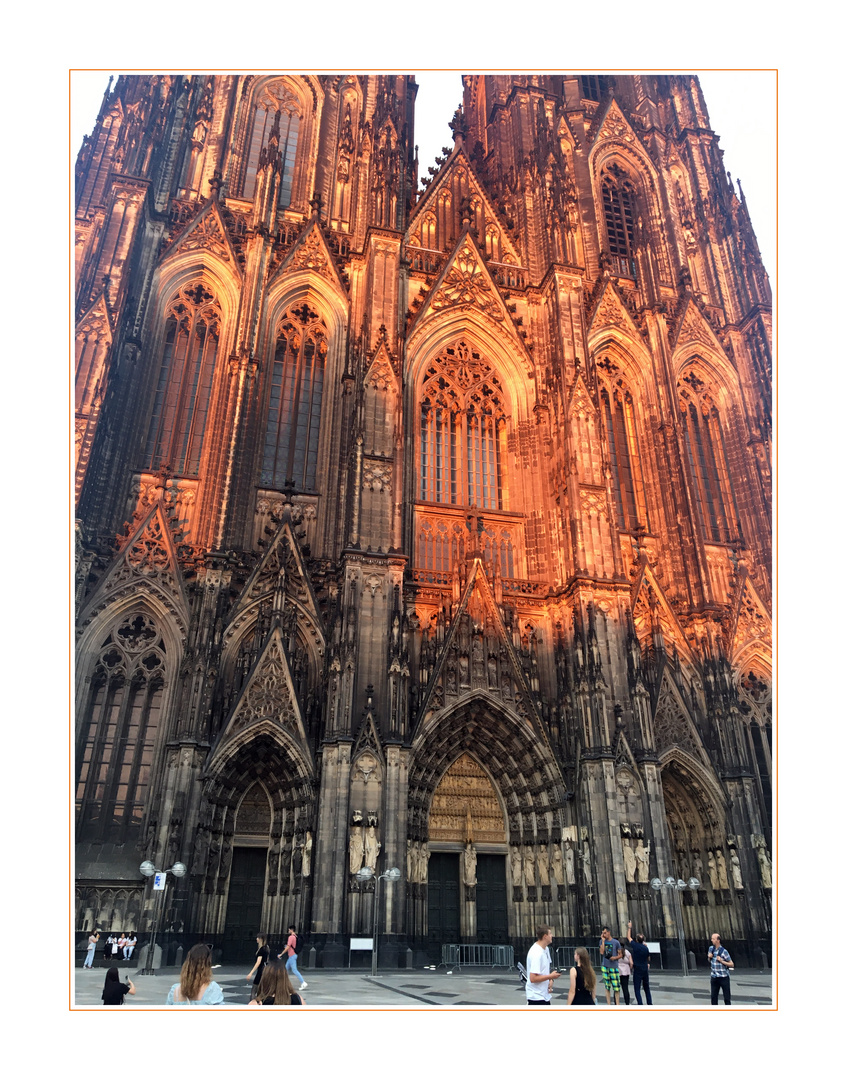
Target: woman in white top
pixel 195 986
pixel 625 970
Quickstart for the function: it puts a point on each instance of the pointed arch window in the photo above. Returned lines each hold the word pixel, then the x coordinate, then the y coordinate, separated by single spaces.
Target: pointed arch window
pixel 117 740
pixel 707 459
pixel 619 211
pixel 593 87
pixel 184 385
pixel 624 457
pixel 296 394
pixel 463 426
pixel 274 100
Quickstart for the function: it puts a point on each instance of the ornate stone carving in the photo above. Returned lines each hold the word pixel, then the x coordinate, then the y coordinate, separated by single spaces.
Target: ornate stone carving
pixel 467 284
pixel 465 789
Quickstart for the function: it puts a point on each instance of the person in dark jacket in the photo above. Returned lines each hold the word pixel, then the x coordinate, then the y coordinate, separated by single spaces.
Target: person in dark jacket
pixel 640 965
pixel 114 991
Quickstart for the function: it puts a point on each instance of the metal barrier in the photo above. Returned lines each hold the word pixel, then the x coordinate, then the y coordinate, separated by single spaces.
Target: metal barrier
pixel 459 956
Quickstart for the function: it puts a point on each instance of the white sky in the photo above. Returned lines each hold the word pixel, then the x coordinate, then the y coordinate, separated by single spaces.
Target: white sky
pixel 742 110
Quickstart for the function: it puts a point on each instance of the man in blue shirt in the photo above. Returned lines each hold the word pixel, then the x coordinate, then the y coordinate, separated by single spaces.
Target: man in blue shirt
pixel 721 964
pixel 640 965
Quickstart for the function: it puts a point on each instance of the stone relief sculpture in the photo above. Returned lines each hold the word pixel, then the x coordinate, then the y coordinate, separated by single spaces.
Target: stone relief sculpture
pixel 357 849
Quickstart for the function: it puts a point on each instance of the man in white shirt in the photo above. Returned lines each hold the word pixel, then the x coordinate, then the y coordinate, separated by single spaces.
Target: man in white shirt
pixel 539 983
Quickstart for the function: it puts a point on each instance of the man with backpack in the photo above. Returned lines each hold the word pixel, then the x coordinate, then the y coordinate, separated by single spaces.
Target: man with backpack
pixel 290 953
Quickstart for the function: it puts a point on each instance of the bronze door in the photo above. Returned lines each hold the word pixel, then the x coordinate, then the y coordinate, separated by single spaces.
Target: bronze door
pixel 492 926
pixel 244 905
pixel 443 899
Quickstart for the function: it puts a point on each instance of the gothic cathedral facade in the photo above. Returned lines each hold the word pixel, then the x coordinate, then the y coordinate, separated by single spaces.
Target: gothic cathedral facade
pixel 420 524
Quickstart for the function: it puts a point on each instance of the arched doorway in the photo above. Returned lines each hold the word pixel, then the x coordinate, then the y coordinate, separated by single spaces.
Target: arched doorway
pixel 484 772
pixel 466 898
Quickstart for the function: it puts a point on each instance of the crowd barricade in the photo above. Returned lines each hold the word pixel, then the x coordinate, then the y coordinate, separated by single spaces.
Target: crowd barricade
pixel 493 956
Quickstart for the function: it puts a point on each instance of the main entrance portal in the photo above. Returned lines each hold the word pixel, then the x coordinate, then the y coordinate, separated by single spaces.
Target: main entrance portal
pixel 244 905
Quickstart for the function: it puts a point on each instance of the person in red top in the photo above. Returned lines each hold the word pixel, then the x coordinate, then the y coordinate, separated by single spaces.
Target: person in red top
pixel 290 952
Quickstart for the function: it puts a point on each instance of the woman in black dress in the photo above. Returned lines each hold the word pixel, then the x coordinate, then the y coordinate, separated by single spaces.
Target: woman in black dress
pixel 262 954
pixel 275 987
pixel 583 979
pixel 114 990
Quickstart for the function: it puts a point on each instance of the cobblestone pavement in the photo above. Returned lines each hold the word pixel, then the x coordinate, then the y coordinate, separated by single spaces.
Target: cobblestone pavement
pixel 423 988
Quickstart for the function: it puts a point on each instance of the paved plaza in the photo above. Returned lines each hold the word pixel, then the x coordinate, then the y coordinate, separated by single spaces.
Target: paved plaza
pixel 422 988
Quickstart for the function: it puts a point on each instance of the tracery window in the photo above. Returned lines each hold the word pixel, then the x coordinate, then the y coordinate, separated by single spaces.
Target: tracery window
pixel 593 87
pixel 707 459
pixel 184 386
pixel 462 426
pixel 619 210
pixel 296 393
pixel 624 457
pixel 274 101
pixel 118 736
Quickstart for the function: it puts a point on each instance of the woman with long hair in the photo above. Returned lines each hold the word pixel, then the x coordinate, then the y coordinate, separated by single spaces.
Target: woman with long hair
pixel 275 987
pixel 114 991
pixel 583 979
pixel 263 953
pixel 195 986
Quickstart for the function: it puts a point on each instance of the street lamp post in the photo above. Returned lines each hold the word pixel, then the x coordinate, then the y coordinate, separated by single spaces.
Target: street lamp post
pixel 365 874
pixel 148 869
pixel 677 886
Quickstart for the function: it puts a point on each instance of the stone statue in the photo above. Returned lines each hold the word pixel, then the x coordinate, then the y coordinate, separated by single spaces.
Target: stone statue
pixel 307 856
pixel 642 858
pixel 423 862
pixel 410 861
pixel 357 849
pixel 713 872
pixel 557 866
pixel 226 857
pixel 629 862
pixel 469 865
pixel 586 867
pixel 372 847
pixel 529 866
pixel 543 866
pixel 298 860
pixel 735 863
pixel 722 877
pixel 517 873
pixel 698 867
pixel 569 865
pixel 764 867
pixel 273 862
pixel 201 852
